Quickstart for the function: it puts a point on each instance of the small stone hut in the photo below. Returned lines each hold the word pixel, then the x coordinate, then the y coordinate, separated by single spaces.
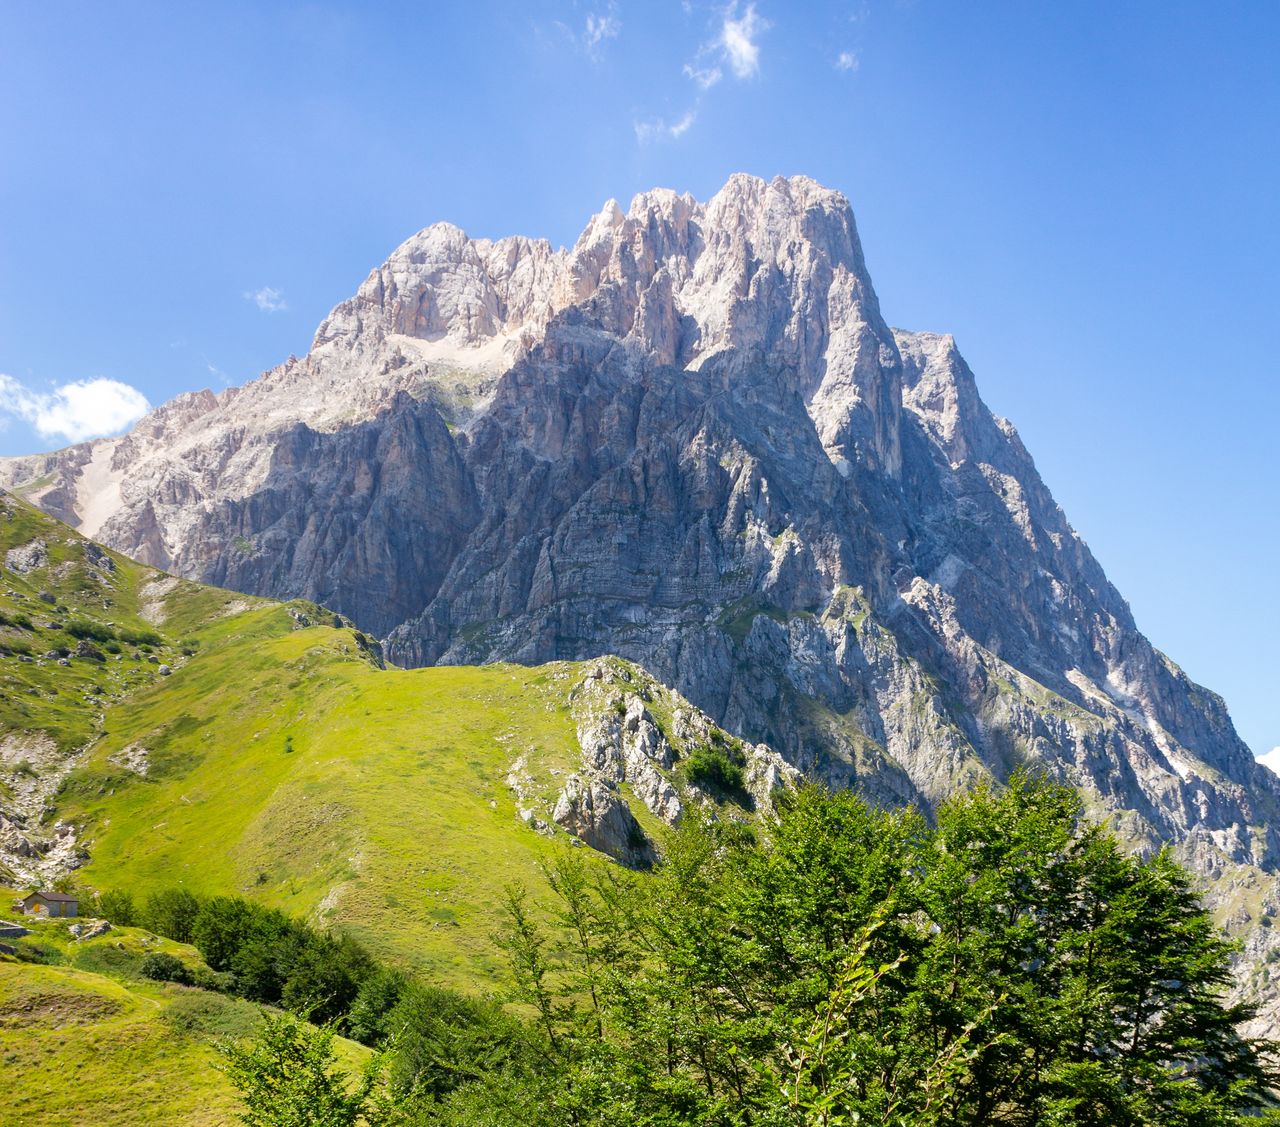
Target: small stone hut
pixel 49 905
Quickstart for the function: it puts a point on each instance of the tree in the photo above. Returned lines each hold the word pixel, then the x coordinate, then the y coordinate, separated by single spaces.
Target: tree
pixel 287 1077
pixel 118 907
pixel 444 1040
pixel 220 930
pixel 171 913
pixel 323 978
pixel 1008 965
pixel 369 1019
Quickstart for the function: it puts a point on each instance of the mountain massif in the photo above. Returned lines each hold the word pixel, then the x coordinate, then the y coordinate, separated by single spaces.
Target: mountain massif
pixel 692 441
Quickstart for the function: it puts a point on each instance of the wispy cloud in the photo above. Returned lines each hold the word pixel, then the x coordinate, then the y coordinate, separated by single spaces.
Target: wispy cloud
pixel 600 26
pixel 739 40
pixel 660 129
pixel 268 299
pixel 846 60
pixel 733 47
pixel 735 44
pixel 74 411
pixel 217 373
pixel 706 77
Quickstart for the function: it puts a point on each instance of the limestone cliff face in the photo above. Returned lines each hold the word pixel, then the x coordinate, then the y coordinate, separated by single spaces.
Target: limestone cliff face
pixel 693 441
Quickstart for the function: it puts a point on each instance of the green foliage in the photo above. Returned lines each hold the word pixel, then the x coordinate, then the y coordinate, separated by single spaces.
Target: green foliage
pixel 84 629
pixel 219 929
pixel 109 960
pixel 713 770
pixel 45 954
pixel 172 913
pixel 368 1020
pixel 287 1076
pixel 274 959
pixel 139 636
pixel 1010 965
pixel 163 967
pixel 444 1040
pixel 118 907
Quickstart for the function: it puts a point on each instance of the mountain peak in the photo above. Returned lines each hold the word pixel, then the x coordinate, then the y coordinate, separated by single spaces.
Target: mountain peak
pixel 691 440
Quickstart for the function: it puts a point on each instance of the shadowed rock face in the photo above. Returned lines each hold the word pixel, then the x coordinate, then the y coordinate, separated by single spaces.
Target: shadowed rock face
pixel 692 440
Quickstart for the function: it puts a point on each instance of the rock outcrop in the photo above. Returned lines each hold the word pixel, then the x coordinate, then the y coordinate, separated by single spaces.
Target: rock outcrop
pixel 693 441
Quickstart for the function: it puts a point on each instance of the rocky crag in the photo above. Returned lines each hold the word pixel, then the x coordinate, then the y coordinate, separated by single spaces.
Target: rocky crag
pixel 693 441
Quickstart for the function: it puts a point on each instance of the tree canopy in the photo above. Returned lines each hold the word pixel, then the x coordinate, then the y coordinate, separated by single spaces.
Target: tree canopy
pixel 1006 964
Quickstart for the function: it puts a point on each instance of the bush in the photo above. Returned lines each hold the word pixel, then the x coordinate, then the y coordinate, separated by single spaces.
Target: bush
pixel 289 1075
pixel 445 1040
pixel 84 629
pixel 163 967
pixel 220 929
pixel 108 959
pixel 713 770
pixel 217 981
pixel 324 977
pixel 138 637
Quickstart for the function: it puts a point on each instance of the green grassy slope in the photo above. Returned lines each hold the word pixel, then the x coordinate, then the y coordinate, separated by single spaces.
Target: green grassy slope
pixel 60 593
pixel 86 1040
pixel 329 788
pixel 274 757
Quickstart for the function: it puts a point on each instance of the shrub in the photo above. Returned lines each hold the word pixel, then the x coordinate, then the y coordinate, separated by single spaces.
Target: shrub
pixel 38 953
pixel 445 1040
pixel 84 629
pixel 713 770
pixel 220 929
pixel 135 637
pixel 163 967
pixel 108 959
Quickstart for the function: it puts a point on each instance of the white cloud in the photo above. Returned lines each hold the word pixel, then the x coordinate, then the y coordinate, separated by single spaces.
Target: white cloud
pixel 77 410
pixel 681 127
pixel 600 26
pixel 660 130
pixel 268 299
pixel 847 60
pixel 738 40
pixel 705 77
pixel 734 46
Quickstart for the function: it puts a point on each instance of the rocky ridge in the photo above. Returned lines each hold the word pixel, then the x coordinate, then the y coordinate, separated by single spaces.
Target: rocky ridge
pixel 693 441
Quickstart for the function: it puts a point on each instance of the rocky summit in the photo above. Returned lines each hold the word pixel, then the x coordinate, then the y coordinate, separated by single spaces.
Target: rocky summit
pixel 693 441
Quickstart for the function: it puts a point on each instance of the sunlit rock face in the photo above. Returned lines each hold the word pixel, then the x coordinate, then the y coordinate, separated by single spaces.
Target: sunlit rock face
pixel 692 440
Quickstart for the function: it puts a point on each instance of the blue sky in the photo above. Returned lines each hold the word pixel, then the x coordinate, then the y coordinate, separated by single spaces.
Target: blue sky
pixel 1085 194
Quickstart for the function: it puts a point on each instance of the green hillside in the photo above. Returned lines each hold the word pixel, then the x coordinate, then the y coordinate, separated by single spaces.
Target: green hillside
pixel 85 1039
pixel 327 787
pixel 265 751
